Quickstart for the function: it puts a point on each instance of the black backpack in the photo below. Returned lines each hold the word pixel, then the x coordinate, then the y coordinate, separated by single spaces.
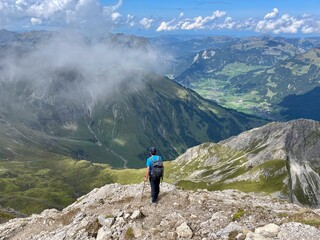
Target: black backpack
pixel 157 168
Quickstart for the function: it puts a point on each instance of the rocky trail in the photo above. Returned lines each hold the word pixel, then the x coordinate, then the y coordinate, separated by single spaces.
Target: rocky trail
pixel 117 212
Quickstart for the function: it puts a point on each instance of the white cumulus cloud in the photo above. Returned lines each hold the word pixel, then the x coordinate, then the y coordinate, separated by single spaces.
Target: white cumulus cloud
pixel 272 14
pixel 271 22
pixel 35 21
pixel 80 13
pixel 115 16
pixel 285 24
pixel 190 24
pixel 146 22
pixel 167 26
pixel 200 22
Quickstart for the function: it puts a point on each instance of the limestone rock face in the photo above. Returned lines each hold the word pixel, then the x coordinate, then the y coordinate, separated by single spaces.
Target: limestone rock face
pixel 117 212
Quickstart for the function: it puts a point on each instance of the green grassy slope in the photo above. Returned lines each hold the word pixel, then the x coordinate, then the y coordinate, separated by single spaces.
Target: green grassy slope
pixel 228 171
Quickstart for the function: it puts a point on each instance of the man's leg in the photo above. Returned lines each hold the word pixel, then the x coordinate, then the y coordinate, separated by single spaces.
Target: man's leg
pixel 157 187
pixel 153 189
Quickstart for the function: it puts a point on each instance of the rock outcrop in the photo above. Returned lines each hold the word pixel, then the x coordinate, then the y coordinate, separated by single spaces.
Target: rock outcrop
pixel 120 212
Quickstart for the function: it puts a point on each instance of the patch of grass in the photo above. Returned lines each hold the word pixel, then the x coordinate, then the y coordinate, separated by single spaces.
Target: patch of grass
pixel 52 183
pixel 5 216
pixel 126 176
pixel 307 217
pixel 189 185
pixel 267 185
pixel 238 214
pixel 207 173
pixel 233 234
pixel 129 233
pixel 237 173
pixel 68 217
pixel 272 165
pixel 93 228
pixel 237 68
pixel 311 222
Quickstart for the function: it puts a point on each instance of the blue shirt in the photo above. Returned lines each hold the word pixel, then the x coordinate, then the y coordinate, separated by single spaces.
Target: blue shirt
pixel 149 161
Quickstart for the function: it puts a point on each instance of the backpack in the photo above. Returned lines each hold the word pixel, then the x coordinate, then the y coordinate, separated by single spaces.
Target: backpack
pixel 157 168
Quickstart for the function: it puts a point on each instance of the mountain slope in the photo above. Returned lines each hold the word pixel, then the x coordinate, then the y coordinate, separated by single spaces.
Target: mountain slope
pixel 118 130
pixel 301 105
pixel 278 158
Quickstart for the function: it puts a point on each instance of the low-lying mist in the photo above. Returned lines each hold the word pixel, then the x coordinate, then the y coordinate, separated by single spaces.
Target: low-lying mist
pixel 74 67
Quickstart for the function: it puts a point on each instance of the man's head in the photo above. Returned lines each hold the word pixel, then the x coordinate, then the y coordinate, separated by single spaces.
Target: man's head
pixel 153 151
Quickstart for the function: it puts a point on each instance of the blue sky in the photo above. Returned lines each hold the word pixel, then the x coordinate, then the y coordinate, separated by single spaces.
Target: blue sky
pixel 234 17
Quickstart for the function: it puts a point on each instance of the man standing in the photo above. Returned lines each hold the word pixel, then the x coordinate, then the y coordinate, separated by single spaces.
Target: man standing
pixel 154 172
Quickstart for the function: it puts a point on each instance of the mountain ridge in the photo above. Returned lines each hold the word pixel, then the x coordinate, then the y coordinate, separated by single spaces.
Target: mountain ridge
pixel 278 158
pixel 122 212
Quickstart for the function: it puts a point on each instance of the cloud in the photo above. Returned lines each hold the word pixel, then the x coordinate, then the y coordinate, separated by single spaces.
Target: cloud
pixel 271 22
pixel 228 23
pixel 130 20
pixel 171 25
pixel 111 9
pixel 115 16
pixel 74 13
pixel 200 22
pixel 288 24
pixel 84 71
pixel 272 14
pixel 35 21
pixel 167 26
pixel 182 23
pixel 146 22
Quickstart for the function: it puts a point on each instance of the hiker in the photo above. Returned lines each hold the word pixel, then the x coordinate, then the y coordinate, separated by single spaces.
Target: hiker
pixel 154 172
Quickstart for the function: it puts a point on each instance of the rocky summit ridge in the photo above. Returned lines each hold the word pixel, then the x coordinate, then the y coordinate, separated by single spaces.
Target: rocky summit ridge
pixel 121 212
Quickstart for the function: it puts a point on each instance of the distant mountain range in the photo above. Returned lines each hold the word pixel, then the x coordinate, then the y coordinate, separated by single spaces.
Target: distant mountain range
pixel 256 75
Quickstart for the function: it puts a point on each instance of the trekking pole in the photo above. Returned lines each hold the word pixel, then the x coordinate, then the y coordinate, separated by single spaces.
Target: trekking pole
pixel 144 183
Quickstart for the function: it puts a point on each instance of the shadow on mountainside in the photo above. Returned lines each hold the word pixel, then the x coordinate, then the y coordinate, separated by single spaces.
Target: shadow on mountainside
pixel 302 106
